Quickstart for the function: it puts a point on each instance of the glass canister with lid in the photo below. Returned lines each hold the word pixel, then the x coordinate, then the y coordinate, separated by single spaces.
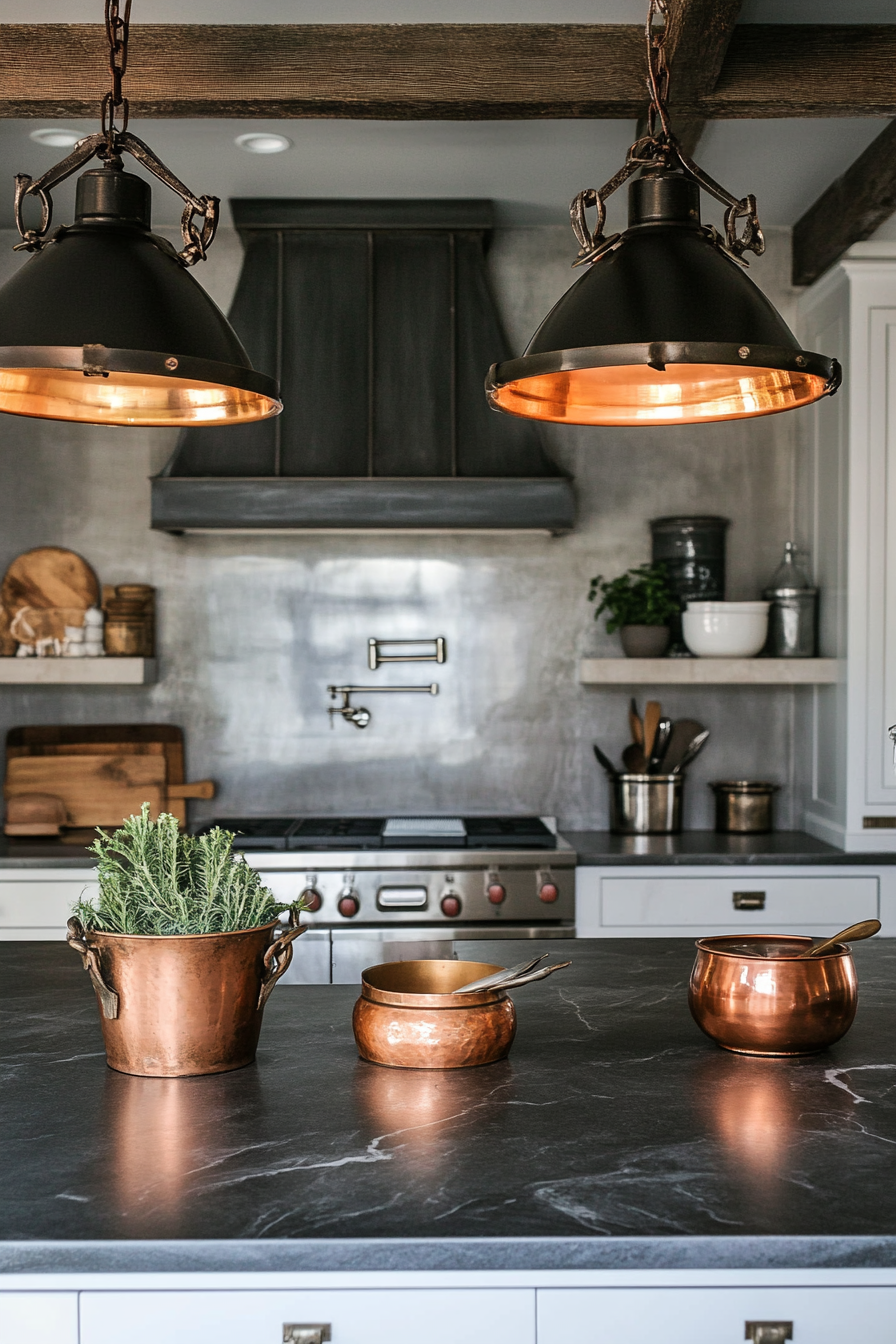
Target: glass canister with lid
pixel 793 614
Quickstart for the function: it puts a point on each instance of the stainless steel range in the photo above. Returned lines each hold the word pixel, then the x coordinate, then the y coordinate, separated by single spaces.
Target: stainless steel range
pixel 397 888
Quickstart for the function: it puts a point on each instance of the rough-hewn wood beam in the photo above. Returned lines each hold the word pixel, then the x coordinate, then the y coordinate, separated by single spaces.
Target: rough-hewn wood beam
pixel 700 32
pixel 443 71
pixel 413 71
pixel 807 70
pixel 849 211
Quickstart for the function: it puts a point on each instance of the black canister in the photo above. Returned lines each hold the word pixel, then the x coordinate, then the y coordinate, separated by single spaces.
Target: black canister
pixel 692 551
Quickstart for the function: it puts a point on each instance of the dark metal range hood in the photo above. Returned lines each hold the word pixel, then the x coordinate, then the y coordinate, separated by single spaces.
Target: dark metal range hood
pixel 377 319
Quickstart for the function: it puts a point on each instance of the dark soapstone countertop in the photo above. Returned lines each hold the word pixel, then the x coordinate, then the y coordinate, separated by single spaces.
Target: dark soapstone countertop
pixel 602 849
pixel 598 848
pixel 36 852
pixel 615 1136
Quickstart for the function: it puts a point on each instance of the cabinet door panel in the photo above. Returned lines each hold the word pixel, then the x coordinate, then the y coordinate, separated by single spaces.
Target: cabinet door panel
pixel 388 1316
pixel 39 1318
pixel 714 1315
pixel 704 902
pixel 41 905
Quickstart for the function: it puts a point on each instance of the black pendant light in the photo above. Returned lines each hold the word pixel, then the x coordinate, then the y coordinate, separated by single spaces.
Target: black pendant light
pixel 105 324
pixel 664 328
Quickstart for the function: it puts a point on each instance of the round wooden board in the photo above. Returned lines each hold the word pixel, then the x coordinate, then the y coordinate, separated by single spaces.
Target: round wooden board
pixel 48 576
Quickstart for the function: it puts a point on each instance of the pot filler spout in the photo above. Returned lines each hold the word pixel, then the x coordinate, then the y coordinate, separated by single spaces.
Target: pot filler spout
pixel 377 319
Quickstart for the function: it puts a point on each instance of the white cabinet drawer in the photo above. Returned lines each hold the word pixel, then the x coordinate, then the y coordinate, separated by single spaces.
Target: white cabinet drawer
pixel 43 904
pixel 389 1316
pixel 714 1315
pixel 705 903
pixel 39 1318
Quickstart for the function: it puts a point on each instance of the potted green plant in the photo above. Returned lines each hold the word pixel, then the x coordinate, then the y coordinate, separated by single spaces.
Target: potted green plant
pixel 640 603
pixel 183 947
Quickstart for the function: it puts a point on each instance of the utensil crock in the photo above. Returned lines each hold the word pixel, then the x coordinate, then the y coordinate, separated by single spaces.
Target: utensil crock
pixel 646 804
pixel 774 1004
pixel 186 1004
pixel 408 1016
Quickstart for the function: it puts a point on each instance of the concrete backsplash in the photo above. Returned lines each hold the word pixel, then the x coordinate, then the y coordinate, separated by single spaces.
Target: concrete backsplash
pixel 252 628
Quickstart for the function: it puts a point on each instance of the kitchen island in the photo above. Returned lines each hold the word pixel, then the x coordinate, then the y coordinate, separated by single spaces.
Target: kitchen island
pixel 616 1149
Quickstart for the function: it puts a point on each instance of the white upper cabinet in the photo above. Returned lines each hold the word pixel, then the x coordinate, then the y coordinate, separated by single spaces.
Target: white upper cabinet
pixel 846 515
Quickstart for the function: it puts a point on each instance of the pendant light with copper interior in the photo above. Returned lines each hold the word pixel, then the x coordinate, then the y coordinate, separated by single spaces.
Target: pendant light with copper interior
pixel 105 324
pixel 664 328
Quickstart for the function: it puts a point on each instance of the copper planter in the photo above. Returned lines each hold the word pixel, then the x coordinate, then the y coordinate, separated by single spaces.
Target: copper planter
pixel 772 1004
pixel 408 1018
pixel 187 1004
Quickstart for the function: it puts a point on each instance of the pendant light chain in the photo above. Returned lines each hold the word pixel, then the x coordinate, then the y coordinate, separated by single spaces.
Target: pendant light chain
pixel 660 149
pixel 200 216
pixel 117 32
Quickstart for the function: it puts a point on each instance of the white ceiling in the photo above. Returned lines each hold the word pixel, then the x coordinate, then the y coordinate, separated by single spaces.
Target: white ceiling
pixel 531 168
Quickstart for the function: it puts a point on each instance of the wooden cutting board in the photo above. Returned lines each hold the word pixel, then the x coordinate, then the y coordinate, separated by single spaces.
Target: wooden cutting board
pixel 48 576
pixel 96 790
pixel 100 739
pixel 95 739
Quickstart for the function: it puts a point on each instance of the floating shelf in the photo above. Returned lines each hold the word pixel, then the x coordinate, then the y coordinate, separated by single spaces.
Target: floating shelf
pixel 77 671
pixel 709 671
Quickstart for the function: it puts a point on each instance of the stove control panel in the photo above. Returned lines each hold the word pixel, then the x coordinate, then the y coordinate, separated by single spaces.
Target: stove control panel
pixel 511 893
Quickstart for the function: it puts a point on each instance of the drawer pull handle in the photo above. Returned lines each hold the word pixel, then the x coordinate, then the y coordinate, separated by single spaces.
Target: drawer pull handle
pixel 768 1332
pixel 312 1334
pixel 750 900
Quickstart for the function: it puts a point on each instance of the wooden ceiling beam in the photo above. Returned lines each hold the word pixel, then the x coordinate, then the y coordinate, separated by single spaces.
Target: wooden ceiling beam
pixel 700 32
pixel 849 211
pixel 445 71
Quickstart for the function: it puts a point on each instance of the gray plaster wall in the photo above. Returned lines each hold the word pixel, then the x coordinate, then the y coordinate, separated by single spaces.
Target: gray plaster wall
pixel 252 628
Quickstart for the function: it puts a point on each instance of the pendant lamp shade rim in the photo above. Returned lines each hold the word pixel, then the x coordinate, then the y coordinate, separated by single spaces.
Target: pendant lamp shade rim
pixel 660 383
pixel 97 385
pixel 656 354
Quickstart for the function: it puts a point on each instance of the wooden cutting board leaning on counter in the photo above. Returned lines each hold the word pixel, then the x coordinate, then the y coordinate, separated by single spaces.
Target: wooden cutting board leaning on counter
pixel 81 777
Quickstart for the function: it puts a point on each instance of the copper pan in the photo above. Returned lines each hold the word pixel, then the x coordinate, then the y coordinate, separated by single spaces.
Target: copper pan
pixel 185 1004
pixel 750 993
pixel 408 1017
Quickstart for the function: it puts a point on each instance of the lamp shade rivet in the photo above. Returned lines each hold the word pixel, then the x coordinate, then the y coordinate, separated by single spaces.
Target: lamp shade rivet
pixel 744 351
pixel 171 362
pixel 801 359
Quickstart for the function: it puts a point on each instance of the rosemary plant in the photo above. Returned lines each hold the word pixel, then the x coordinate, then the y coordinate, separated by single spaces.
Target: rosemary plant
pixel 154 880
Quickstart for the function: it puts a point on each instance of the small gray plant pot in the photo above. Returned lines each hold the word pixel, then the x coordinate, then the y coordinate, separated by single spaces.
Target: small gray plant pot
pixel 645 641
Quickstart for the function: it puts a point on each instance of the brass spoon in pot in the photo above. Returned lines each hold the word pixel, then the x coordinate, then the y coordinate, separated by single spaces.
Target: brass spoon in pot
pixel 867 928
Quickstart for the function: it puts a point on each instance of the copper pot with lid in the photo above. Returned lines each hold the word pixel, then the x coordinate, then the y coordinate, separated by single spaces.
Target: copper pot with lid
pixel 408 1017
pixel 753 994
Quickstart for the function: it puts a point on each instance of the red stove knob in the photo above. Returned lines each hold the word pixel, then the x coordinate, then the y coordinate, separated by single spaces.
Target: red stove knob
pixel 348 905
pixel 548 892
pixel 496 893
pixel 451 905
pixel 312 898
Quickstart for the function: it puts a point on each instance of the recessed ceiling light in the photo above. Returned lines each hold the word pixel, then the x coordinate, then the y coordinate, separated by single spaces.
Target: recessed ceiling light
pixel 57 137
pixel 263 142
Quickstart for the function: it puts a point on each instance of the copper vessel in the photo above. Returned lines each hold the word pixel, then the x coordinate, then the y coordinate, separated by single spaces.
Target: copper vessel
pixel 750 994
pixel 184 1004
pixel 408 1018
pixel 744 807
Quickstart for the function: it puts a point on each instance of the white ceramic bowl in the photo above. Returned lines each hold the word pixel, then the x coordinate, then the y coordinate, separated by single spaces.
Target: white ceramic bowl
pixel 725 629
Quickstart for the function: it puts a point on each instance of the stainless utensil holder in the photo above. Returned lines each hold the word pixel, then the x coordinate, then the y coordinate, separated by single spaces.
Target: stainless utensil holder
pixel 646 804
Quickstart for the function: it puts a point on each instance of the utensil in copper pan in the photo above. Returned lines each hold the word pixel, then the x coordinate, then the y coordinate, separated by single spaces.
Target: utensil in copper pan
pixel 866 928
pixel 509 973
pixel 514 977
